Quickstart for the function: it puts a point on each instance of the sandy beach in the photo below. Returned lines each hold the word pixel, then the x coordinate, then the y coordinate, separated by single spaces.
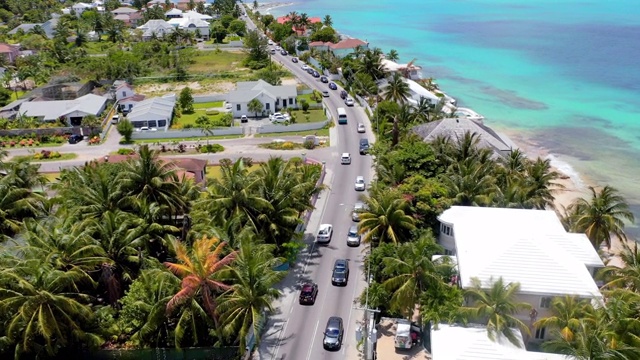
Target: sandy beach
pixel 265 8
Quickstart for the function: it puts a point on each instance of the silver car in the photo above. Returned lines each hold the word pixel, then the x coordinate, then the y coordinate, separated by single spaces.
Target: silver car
pixel 361 128
pixel 357 209
pixel 359 185
pixel 353 238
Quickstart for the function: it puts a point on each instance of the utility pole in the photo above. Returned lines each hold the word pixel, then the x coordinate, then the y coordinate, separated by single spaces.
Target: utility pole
pixel 370 333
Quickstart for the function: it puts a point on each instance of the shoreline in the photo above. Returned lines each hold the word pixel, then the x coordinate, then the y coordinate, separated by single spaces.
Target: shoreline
pixel 266 7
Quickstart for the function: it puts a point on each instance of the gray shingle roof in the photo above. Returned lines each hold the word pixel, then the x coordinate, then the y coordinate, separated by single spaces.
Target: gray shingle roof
pixel 248 90
pixel 153 109
pixel 52 110
pixel 457 128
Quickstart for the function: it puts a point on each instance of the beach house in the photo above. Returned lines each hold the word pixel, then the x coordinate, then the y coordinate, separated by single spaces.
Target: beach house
pixel 529 247
pixel 9 52
pixel 340 49
pixel 154 113
pixel 273 98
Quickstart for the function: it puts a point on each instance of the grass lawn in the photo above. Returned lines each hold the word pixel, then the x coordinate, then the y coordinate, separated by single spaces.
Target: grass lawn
pixel 197 138
pixel 320 132
pixel 15 95
pixel 63 156
pixel 306 97
pixel 95 47
pixel 191 118
pixel 206 105
pixel 315 115
pixel 216 61
pixel 214 172
pixel 52 176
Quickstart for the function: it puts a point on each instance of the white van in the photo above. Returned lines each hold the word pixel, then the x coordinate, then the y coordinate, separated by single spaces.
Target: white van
pixel 403 335
pixel 115 119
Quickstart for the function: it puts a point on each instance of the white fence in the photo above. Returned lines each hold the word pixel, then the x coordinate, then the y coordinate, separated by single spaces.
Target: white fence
pixel 187 133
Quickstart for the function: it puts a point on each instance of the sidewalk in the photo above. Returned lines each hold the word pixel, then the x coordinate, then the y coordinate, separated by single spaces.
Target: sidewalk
pixel 277 323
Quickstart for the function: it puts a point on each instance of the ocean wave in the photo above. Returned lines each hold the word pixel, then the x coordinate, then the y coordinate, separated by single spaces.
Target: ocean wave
pixel 565 168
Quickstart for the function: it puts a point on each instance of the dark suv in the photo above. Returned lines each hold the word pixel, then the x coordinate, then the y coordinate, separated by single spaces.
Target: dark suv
pixel 74 139
pixel 308 294
pixel 364 146
pixel 340 275
pixel 343 94
pixel 333 334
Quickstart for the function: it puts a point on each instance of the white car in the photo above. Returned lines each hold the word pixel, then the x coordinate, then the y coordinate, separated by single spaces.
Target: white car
pixel 361 128
pixel 345 159
pixel 279 119
pixel 353 238
pixel 357 209
pixel 324 233
pixel 305 67
pixel 244 119
pixel 146 128
pixel 349 101
pixel 360 186
pixel 270 42
pixel 277 115
pixel 227 105
pixel 278 48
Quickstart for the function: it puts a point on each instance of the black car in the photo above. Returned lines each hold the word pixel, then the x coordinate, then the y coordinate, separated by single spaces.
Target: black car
pixel 316 74
pixel 308 294
pixel 294 59
pixel 340 274
pixel 310 71
pixel 283 52
pixel 343 94
pixel 74 139
pixel 364 146
pixel 333 333
pixel 324 79
pixel 333 86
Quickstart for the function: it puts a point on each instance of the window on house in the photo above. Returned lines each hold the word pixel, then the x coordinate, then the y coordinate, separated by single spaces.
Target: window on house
pixel 545 302
pixel 124 94
pixel 238 107
pixel 290 101
pixel 266 106
pixel 540 333
pixel 162 123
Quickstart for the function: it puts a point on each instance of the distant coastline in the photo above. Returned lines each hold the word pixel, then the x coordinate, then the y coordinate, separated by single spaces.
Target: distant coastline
pixel 265 8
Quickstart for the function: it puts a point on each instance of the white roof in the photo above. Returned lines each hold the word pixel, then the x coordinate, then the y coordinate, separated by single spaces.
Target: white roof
pixel 185 22
pixel 453 342
pixel 520 246
pixel 192 14
pixel 394 66
pixel 419 91
pixel 173 11
pixel 153 109
pixel 52 110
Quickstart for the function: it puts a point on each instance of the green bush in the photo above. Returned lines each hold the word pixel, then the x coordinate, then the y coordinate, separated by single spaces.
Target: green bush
pixel 211 148
pixel 125 151
pixel 309 144
pixel 187 126
pixel 213 112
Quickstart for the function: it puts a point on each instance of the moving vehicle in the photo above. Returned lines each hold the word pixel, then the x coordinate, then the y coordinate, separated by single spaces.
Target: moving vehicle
pixel 74 139
pixel 294 59
pixel 357 209
pixel 360 186
pixel 308 294
pixel 310 71
pixel 333 333
pixel 284 52
pixel 333 86
pixel 325 93
pixel 273 51
pixel 324 233
pixel 115 119
pixel 324 79
pixel 270 42
pixel 353 238
pixel 361 128
pixel 342 116
pixel 340 275
pixel 345 159
pixel 244 119
pixel 343 94
pixel 316 74
pixel 364 146
pixel 349 101
pixel 305 67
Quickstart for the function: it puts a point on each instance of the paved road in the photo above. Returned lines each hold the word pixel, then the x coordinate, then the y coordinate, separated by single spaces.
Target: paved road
pixel 296 332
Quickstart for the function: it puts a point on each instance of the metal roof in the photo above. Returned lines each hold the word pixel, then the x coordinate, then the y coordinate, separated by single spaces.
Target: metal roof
pixel 158 108
pixel 247 90
pixel 52 110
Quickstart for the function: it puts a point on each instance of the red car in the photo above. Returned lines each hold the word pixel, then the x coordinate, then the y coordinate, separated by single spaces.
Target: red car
pixel 308 294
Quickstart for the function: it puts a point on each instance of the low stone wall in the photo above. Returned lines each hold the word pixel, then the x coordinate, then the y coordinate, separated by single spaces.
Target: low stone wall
pixel 264 129
pixel 47 131
pixel 187 133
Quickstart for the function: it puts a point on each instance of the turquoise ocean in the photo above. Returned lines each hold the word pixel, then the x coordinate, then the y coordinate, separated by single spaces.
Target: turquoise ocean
pixel 560 77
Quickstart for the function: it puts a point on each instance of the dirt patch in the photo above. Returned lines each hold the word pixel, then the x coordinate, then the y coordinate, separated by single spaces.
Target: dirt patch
pixel 216 88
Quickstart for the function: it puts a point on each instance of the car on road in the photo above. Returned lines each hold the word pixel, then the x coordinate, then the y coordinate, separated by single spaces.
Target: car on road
pixel 310 71
pixel 74 139
pixel 324 233
pixel 364 146
pixel 278 48
pixel 345 159
pixel 333 86
pixel 361 128
pixel 349 101
pixel 316 74
pixel 244 119
pixel 308 294
pixel 333 334
pixel 360 186
pixel 353 238
pixel 273 51
pixel 305 67
pixel 115 119
pixel 294 59
pixel 340 275
pixel 324 79
pixel 357 210
pixel 270 42
pixel 325 93
pixel 284 52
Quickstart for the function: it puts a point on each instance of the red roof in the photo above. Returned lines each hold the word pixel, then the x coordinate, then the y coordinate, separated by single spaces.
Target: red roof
pixel 319 43
pixel 284 19
pixel 6 48
pixel 348 44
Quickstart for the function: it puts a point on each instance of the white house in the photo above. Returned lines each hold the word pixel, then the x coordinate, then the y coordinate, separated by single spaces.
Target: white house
pixel 157 28
pixel 413 71
pixel 530 247
pixel 80 7
pixel 73 111
pixel 153 113
pixel 173 14
pixel 191 25
pixel 127 98
pixel 456 342
pixel 272 97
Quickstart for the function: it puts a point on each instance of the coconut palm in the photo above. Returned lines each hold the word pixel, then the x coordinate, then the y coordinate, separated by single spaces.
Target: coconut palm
pixel 627 276
pixel 386 218
pixel 600 216
pixel 470 183
pixel 198 267
pixel 566 314
pixel 392 55
pixel 397 89
pixel 496 304
pixel 42 315
pixel 16 205
pixel 370 63
pixel 411 272
pixel 512 167
pixel 244 306
pixel 423 110
pixel 327 21
pixel 539 183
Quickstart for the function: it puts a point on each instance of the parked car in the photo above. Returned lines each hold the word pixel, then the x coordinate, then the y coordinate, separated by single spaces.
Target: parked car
pixel 277 115
pixel 244 119
pixel 324 79
pixel 74 139
pixel 305 67
pixel 340 274
pixel 227 105
pixel 353 238
pixel 333 86
pixel 361 128
pixel 284 52
pixel 273 51
pixel 364 146
pixel 349 101
pixel 279 119
pixel 115 119
pixel 345 159
pixel 146 128
pixel 316 74
pixel 360 185
pixel 310 71
pixel 357 209
pixel 324 233
pixel 308 294
pixel 294 59
pixel 333 333
pixel 343 94
pixel 325 93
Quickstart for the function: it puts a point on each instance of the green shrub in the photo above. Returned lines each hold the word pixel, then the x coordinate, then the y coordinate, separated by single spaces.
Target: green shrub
pixel 187 126
pixel 213 112
pixel 211 148
pixel 309 144
pixel 125 151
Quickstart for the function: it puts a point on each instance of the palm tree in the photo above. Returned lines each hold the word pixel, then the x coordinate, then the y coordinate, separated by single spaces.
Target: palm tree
pixel 423 110
pixel 397 89
pixel 198 268
pixel 255 106
pixel 392 55
pixel 497 305
pixel 539 183
pixel 42 316
pixel 386 218
pixel 327 21
pixel 16 205
pixel 602 215
pixel 242 308
pixel 627 276
pixel 567 312
pixel 411 272
pixel 470 183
